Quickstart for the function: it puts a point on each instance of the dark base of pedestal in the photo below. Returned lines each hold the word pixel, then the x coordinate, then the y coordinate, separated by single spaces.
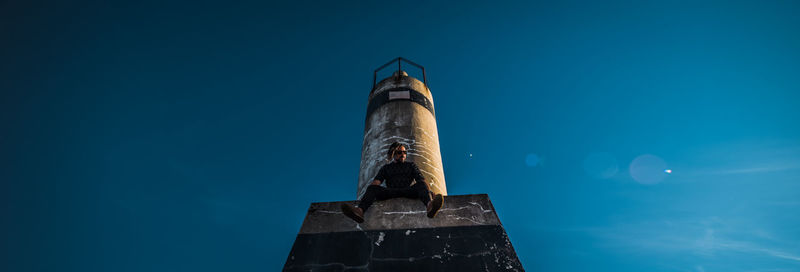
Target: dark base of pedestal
pixel 464 248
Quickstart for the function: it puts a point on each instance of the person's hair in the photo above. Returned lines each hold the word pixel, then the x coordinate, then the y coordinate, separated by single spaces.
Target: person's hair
pixel 393 148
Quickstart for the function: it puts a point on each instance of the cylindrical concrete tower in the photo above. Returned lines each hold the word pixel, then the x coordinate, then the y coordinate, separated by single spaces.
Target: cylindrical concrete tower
pixel 400 109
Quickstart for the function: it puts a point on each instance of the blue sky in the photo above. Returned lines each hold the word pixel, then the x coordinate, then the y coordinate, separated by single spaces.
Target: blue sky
pixel 193 135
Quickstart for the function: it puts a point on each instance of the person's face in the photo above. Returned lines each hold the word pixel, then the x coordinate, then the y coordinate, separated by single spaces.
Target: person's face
pixel 400 154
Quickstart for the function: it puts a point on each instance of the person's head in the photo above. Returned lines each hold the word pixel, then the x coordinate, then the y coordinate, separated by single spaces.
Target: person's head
pixel 398 152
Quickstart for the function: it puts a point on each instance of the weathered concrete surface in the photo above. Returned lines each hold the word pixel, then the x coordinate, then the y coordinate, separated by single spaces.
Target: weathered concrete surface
pixel 473 248
pixel 402 213
pixel 397 236
pixel 401 120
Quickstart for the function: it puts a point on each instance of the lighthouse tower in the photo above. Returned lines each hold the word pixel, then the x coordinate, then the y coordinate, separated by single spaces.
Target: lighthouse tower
pixel 400 109
pixel 466 234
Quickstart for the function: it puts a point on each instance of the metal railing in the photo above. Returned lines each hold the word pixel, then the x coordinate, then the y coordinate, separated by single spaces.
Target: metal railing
pixel 399 61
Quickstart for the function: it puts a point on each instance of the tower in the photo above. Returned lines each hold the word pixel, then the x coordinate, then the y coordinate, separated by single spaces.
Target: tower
pixel 400 109
pixel 396 235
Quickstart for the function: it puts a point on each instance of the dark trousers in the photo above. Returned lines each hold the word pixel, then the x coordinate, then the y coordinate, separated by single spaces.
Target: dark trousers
pixel 375 192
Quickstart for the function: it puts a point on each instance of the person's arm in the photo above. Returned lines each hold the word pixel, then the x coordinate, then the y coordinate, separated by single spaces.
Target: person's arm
pixel 380 177
pixel 417 174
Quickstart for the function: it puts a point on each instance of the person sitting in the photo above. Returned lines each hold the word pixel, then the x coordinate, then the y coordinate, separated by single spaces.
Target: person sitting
pixel 399 176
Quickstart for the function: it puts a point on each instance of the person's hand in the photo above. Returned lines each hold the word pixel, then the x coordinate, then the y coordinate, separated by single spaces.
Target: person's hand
pixel 376 182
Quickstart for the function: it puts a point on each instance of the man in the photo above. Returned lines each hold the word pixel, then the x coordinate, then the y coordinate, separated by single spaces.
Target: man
pixel 398 176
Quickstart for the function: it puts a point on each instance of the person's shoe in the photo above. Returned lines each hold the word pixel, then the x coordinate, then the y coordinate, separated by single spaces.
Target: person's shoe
pixel 435 205
pixel 354 213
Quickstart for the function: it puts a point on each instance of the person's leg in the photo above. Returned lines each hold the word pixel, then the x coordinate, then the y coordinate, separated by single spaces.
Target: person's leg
pixel 379 193
pixel 374 192
pixel 420 191
pixel 357 212
pixel 433 204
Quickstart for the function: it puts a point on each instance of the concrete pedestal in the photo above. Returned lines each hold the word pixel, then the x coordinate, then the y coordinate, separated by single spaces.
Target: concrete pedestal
pixel 397 235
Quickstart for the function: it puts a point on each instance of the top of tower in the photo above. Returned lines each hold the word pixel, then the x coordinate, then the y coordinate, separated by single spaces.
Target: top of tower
pixel 399 73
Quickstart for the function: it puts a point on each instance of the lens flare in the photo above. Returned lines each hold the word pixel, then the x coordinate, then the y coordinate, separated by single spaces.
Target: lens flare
pixel 532 160
pixel 648 169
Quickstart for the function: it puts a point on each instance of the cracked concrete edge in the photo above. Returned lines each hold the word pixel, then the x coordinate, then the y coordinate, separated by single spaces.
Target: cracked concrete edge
pixel 401 213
